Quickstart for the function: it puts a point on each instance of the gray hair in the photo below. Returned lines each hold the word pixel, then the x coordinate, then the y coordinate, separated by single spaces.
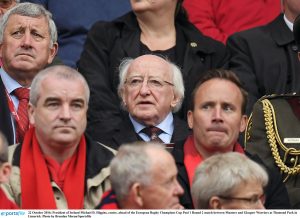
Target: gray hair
pixel 220 174
pixel 29 10
pixel 61 72
pixel 132 164
pixel 176 75
pixel 3 149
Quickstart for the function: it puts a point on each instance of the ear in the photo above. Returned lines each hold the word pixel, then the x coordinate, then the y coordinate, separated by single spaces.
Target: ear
pixel 215 203
pixel 243 123
pixel 5 170
pixel 31 113
pixel 175 101
pixel 135 191
pixel 53 52
pixel 123 95
pixel 299 56
pixel 190 119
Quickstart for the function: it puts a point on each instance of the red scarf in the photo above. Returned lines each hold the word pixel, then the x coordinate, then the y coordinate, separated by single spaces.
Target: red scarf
pixel 192 158
pixel 5 203
pixel 36 186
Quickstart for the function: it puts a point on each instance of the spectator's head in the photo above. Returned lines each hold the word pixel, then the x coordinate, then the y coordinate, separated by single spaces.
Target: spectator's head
pixel 27 41
pixel 296 31
pixel 217 112
pixel 144 176
pixel 5 167
pixel 6 5
pixel 229 181
pixel 58 104
pixel 150 88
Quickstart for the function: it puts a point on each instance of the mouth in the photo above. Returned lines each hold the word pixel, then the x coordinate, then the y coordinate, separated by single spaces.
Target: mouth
pixel 145 103
pixel 217 129
pixel 25 54
pixel 64 127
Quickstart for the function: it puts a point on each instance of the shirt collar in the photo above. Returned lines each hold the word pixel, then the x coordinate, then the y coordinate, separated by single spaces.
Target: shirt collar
pixel 288 23
pixel 166 125
pixel 9 83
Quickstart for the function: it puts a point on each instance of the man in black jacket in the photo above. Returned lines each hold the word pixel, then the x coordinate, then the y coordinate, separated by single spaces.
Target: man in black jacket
pixel 265 58
pixel 217 116
pixel 151 89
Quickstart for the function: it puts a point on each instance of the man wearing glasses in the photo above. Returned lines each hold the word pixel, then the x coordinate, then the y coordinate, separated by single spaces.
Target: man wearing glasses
pixel 229 181
pixel 217 116
pixel 151 88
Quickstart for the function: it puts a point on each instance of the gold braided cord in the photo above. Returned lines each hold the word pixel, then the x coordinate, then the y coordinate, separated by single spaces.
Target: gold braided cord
pixel 274 139
pixel 247 131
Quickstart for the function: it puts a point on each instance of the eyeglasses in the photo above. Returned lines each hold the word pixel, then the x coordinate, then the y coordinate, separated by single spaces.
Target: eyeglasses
pixel 153 83
pixel 255 199
pixel 6 3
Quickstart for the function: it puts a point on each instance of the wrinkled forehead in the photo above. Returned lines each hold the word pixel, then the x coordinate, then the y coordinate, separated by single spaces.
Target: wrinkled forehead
pixel 154 66
pixel 17 20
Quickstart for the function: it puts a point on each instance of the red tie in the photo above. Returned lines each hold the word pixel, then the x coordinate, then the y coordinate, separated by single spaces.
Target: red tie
pixel 23 96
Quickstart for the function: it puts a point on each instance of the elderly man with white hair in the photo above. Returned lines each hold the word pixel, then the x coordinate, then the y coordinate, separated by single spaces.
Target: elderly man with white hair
pixel 151 89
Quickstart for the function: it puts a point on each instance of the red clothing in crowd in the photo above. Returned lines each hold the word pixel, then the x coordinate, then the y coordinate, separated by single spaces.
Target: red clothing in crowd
pixel 221 18
pixel 5 203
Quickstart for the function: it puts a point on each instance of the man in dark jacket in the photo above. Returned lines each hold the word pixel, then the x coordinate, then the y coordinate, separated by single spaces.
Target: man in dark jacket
pixel 265 58
pixel 217 117
pixel 151 89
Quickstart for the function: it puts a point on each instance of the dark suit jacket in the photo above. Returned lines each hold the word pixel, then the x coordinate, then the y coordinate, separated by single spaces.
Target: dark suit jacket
pixel 265 59
pixel 109 42
pixel 5 117
pixel 125 133
pixel 276 193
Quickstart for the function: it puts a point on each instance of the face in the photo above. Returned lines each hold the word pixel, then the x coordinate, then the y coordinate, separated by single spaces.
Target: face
pixel 217 118
pixel 60 114
pixel 291 9
pixel 5 5
pixel 146 101
pixel 250 190
pixel 25 49
pixel 164 191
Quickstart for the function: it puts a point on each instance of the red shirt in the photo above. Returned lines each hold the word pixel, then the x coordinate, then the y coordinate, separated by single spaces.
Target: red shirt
pixel 221 18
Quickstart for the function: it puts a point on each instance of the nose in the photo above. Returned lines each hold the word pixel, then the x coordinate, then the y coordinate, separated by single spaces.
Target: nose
pixel 217 114
pixel 178 189
pixel 26 40
pixel 145 88
pixel 65 113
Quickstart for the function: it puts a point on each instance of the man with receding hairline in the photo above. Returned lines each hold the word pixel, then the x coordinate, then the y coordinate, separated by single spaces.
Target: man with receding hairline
pixel 143 176
pixel 64 168
pixel 152 90
pixel 217 116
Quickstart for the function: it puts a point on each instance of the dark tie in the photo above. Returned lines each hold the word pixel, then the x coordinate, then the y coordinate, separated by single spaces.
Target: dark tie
pixel 23 96
pixel 153 133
